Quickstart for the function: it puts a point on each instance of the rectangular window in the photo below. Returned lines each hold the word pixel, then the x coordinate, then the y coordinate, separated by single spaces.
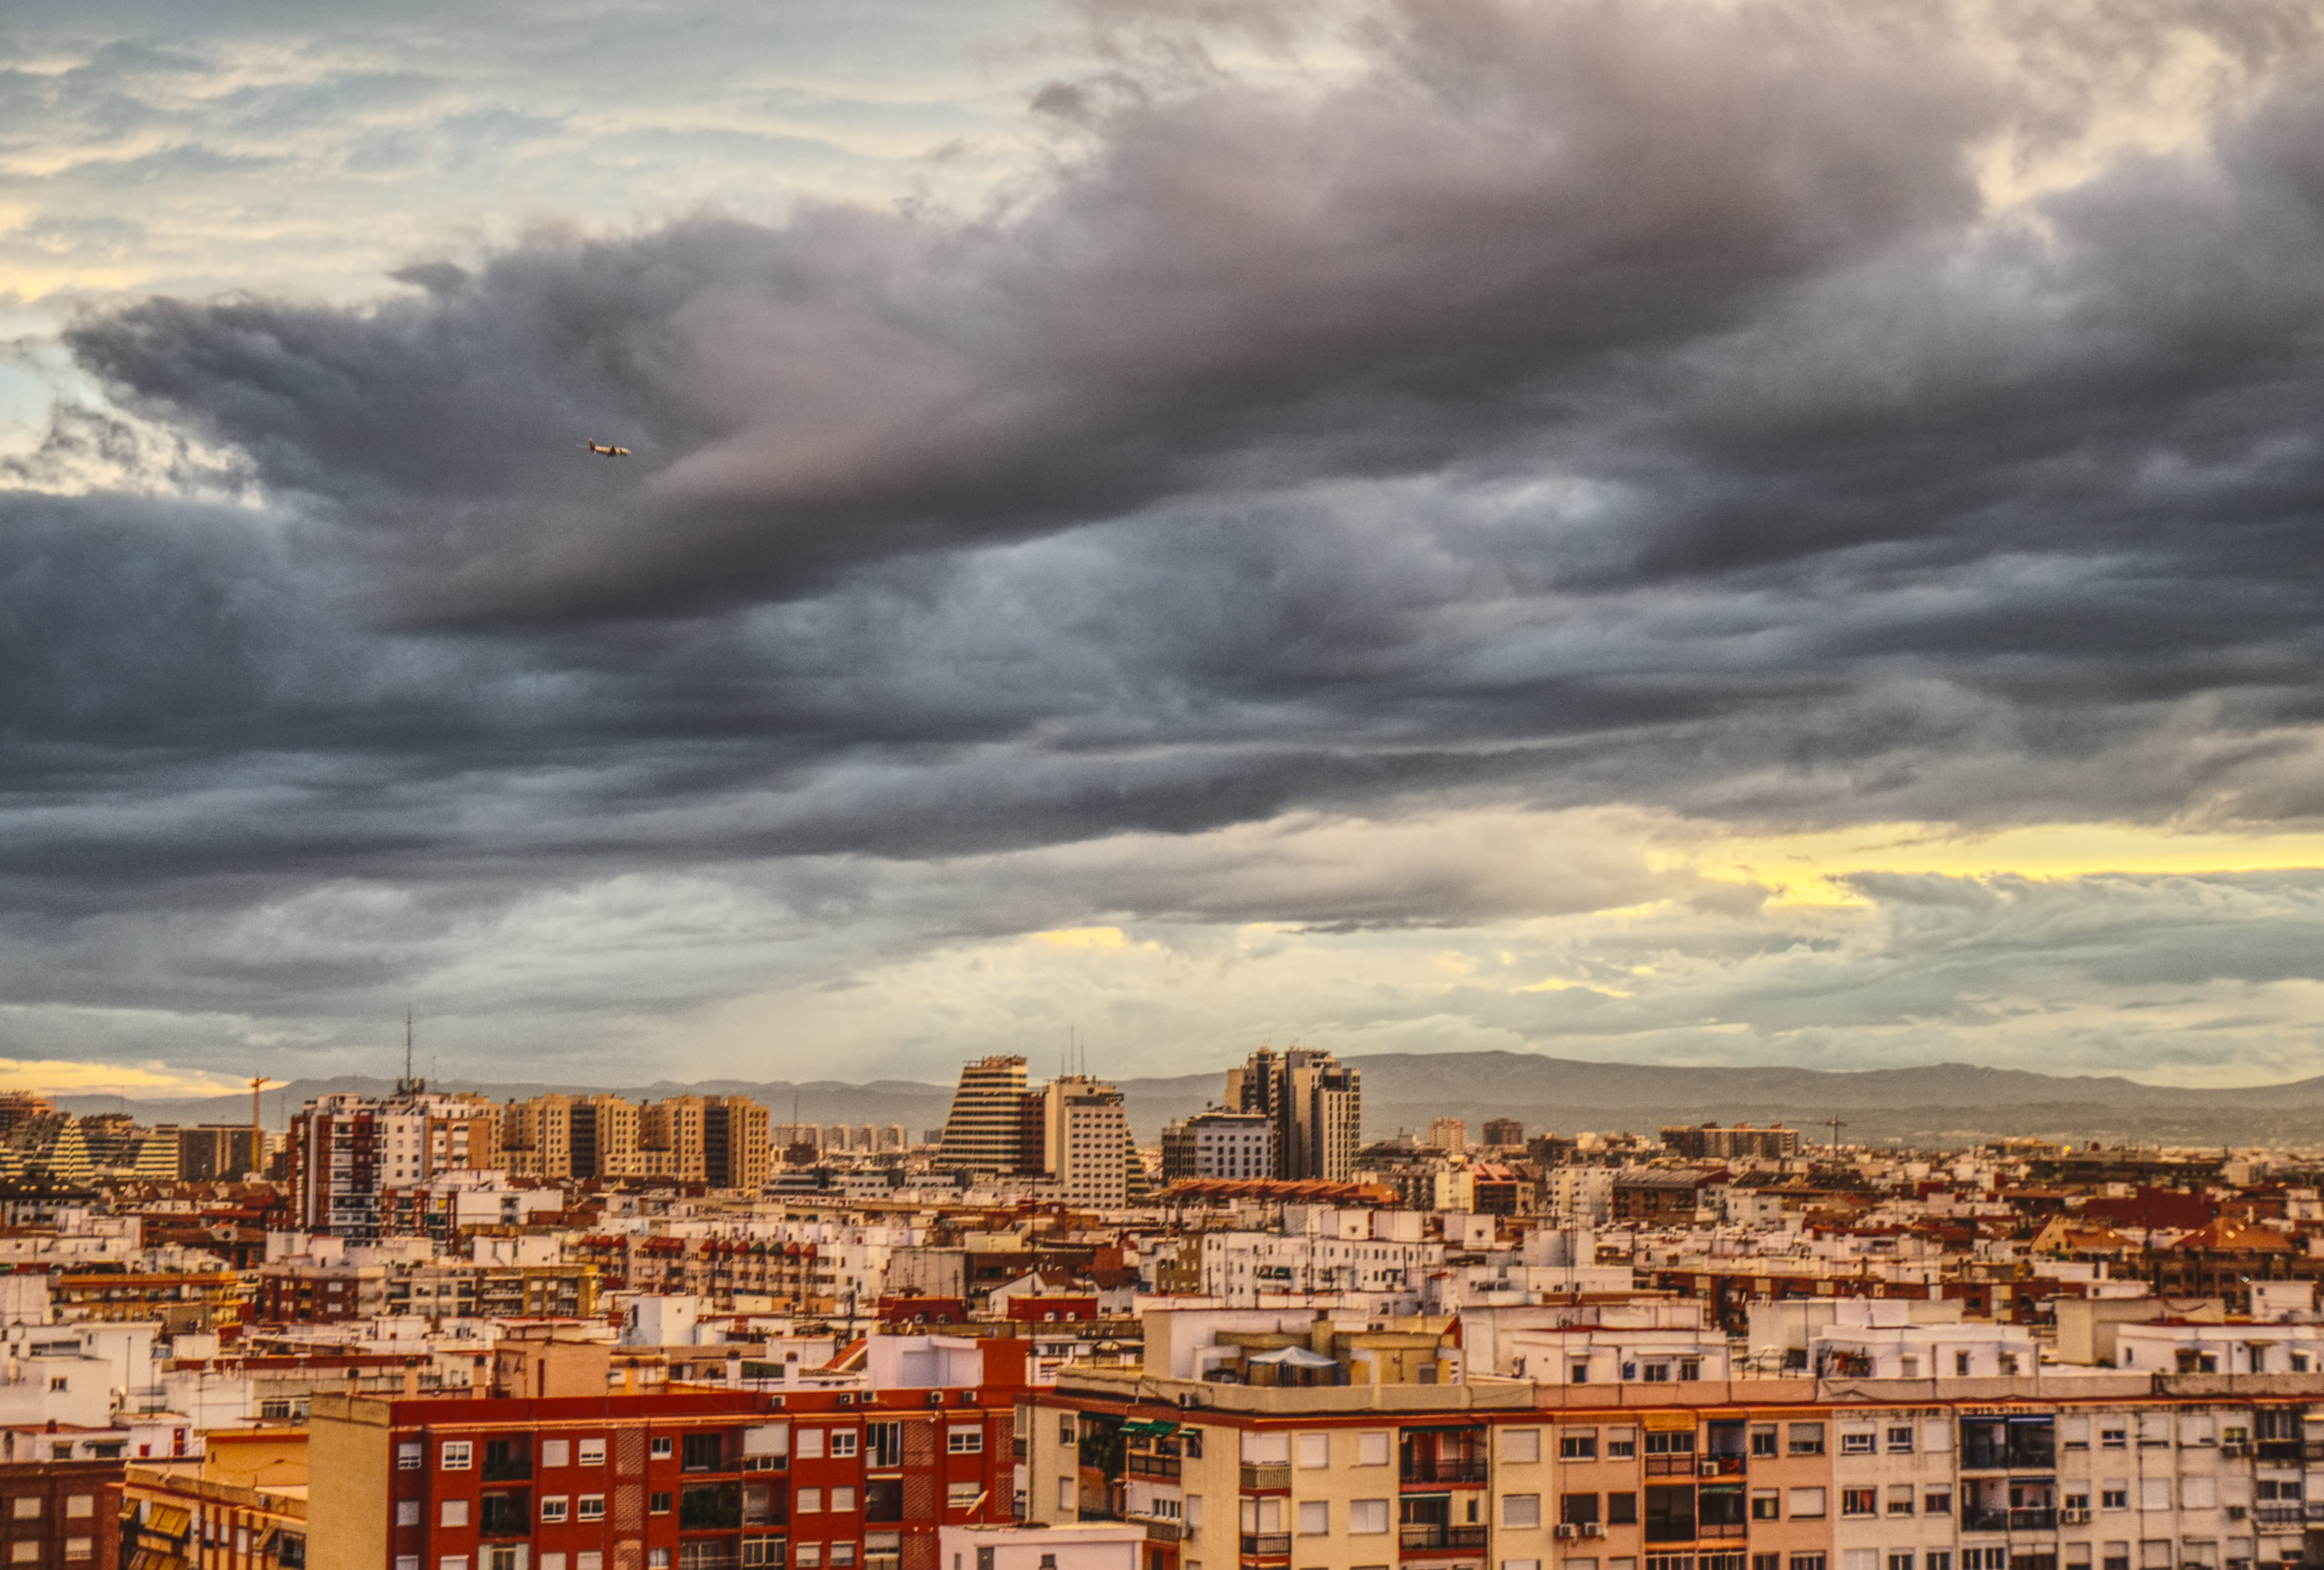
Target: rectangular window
pixel 1311 1452
pixel 704 1453
pixel 1622 1444
pixel 454 1456
pixel 664 1447
pixel 1900 1498
pixel 454 1513
pixel 1578 1510
pixel 1807 1562
pixel 408 1457
pixel 1900 1562
pixel 1315 1518
pixel 1521 1509
pixel 1372 1448
pixel 1621 1510
pixel 2114 1436
pixel 554 1508
pixel 1937 1559
pixel 1807 1439
pixel 843 1501
pixel 1577 1444
pixel 808 1556
pixel 1858 1502
pixel 407 1512
pixel 592 1453
pixel 1520 1445
pixel 1367 1518
pixel 589 1559
pixel 965 1440
pixel 809 1444
pixel 1807 1504
pixel 2114 1494
pixel 452 1562
pixel 1766 1505
pixel 659 1502
pixel 961 1496
pixel 1937 1501
pixel 79 1549
pixel 1900 1442
pixel 809 1502
pixel 843 1443
pixel 1856 1442
pixel 589 1507
pixel 556 1453
pixel 1763 1442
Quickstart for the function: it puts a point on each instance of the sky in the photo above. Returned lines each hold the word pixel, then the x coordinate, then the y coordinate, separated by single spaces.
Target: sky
pixel 1744 531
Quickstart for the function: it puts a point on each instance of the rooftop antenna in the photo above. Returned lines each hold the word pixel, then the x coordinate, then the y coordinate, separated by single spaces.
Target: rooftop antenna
pixel 1835 1125
pixel 406 1084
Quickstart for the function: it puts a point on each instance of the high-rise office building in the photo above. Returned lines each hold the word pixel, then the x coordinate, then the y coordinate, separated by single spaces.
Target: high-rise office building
pixel 985 1133
pixel 1316 1103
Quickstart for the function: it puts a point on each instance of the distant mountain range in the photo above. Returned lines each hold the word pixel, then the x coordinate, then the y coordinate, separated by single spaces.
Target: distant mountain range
pixel 1945 1103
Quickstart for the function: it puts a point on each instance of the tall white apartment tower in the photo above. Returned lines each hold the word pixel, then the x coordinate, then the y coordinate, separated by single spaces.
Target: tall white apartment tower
pixel 1086 1141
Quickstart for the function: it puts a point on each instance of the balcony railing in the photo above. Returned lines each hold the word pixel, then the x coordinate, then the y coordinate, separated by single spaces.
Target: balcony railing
pixel 1143 1465
pixel 1446 1469
pixel 1424 1539
pixel 2279 1512
pixel 1267 1475
pixel 1158 1530
pixel 1986 1519
pixel 1266 1545
pixel 1708 1529
pixel 1671 1465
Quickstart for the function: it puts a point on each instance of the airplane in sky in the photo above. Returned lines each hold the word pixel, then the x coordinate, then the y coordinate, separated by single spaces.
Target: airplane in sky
pixel 606 450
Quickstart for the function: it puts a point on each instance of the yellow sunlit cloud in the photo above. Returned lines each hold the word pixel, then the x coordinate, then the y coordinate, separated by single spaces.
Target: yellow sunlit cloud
pixel 1084 938
pixel 1805 867
pixel 54 1076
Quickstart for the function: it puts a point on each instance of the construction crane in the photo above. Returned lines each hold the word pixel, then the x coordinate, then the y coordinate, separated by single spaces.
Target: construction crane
pixel 258 1125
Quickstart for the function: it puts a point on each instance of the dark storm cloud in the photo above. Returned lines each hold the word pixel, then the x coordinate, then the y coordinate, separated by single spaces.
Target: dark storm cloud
pixel 1231 288
pixel 1572 404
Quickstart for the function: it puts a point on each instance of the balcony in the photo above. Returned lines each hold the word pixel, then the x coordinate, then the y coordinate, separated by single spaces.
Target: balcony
pixel 506 1515
pixel 1704 1531
pixel 1266 1545
pixel 1428 1540
pixel 2279 1512
pixel 1267 1477
pixel 1444 1469
pixel 1671 1465
pixel 2280 1451
pixel 1140 1464
pixel 1158 1530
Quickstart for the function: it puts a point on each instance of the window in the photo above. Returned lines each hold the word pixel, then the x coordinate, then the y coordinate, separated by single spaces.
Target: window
pixel 1766 1505
pixel 843 1500
pixel 842 1555
pixel 1367 1518
pixel 25 1507
pixel 2114 1436
pixel 24 1551
pixel 1670 1513
pixel 808 1556
pixel 456 1513
pixel 407 1512
pixel 809 1502
pixel 552 1562
pixel 1690 1368
pixel 2154 1430
pixel 965 1440
pixel 1312 1451
pixel 1065 1429
pixel 2114 1494
pixel 2154 1493
pixel 1766 1562
pixel 556 1453
pixel 1900 1442
pixel 1622 1444
pixel 1065 1500
pixel 452 1562
pixel 553 1508
pixel 961 1496
pixel 1315 1518
pixel 1937 1559
pixel 1763 1442
pixel 453 1456
pixel 843 1443
pixel 707 1452
pixel 589 1507
pixel 589 1559
pixel 809 1443
pixel 1900 1562
pixel 1372 1448
pixel 2117 1556
pixel 664 1447
pixel 407 1561
pixel 1856 1442
pixel 80 1548
pixel 1860 1502
pixel 1807 1439
pixel 1807 1504
pixel 1520 1445
pixel 1520 1510
pixel 1807 1562
pixel 1900 1498
pixel 1937 1501
pixel 659 1502
pixel 408 1457
pixel 657 1559
pixel 1621 1510
pixel 1577 1444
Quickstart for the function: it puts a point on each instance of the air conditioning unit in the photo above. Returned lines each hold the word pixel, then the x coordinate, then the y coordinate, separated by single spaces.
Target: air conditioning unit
pixel 847 1398
pixel 1707 1468
pixel 1594 1531
pixel 935 1398
pixel 1568 1531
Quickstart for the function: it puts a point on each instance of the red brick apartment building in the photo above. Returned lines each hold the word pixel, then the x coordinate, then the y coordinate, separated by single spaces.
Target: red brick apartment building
pixel 816 1480
pixel 61 1515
